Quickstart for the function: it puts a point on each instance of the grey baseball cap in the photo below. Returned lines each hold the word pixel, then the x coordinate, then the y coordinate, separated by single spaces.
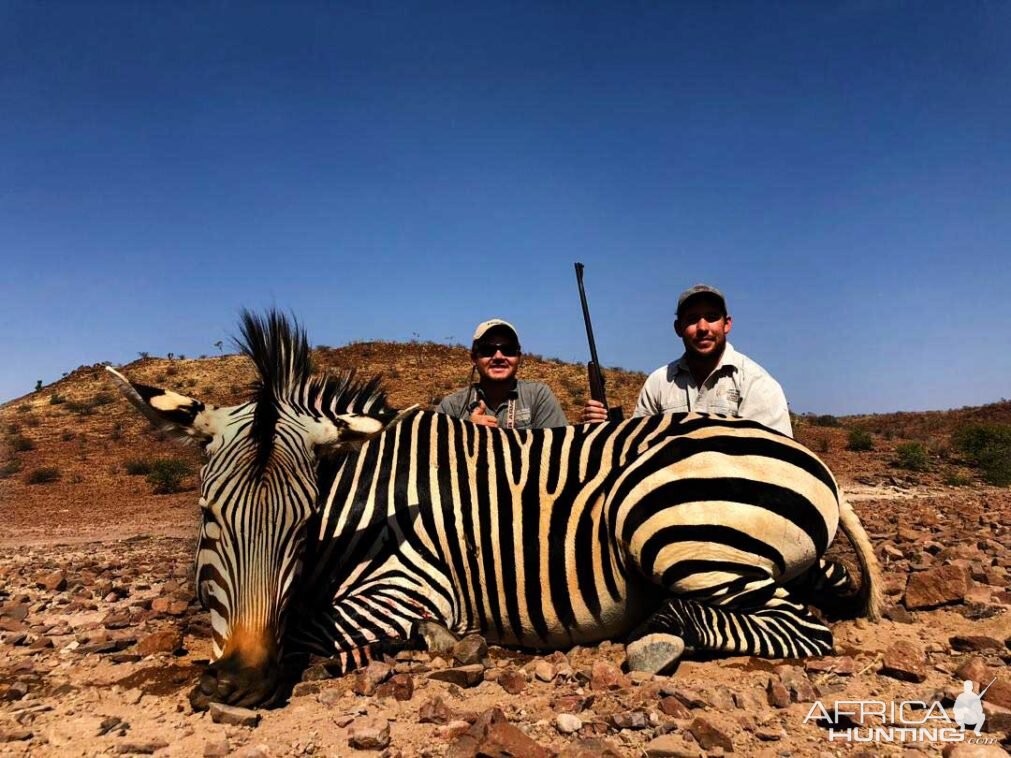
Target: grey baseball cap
pixel 486 326
pixel 701 289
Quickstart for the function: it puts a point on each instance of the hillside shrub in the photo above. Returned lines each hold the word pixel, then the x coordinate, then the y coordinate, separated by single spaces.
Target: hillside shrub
pixel 826 420
pixel 10 468
pixel 911 456
pixel 81 408
pixel 138 467
pixel 957 479
pixel 57 399
pixel 44 475
pixel 167 475
pixel 988 447
pixel 860 441
pixel 20 444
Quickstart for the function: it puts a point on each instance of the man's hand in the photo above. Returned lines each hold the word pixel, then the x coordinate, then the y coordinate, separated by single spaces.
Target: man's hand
pixel 594 412
pixel 482 417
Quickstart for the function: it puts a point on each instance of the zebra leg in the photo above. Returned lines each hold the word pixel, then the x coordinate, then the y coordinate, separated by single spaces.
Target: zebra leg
pixel 828 586
pixel 759 619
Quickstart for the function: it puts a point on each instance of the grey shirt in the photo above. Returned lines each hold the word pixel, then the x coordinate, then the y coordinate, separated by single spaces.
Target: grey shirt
pixel 737 387
pixel 533 406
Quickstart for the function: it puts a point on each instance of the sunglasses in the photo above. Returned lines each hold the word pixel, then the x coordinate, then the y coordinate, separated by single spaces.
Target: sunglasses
pixel 488 349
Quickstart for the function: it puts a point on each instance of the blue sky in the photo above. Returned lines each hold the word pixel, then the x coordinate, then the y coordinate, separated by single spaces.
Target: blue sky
pixel 842 170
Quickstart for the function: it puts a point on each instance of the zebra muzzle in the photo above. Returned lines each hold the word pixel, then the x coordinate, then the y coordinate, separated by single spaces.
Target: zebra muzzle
pixel 240 679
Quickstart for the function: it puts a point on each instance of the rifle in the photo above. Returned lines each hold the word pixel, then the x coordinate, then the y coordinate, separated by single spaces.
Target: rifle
pixel 594 375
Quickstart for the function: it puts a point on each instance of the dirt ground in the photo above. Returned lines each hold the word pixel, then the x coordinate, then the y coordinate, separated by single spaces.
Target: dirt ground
pixel 101 638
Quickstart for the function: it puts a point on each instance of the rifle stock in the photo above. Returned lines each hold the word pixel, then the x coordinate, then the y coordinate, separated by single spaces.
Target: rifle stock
pixel 594 375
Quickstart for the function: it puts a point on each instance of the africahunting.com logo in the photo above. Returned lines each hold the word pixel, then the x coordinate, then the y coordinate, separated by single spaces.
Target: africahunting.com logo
pixel 905 720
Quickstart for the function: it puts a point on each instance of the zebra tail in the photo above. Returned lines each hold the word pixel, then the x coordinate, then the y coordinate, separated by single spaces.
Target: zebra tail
pixel 870 584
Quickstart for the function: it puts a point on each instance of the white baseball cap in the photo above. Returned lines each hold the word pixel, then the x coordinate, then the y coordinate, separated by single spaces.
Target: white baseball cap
pixel 486 326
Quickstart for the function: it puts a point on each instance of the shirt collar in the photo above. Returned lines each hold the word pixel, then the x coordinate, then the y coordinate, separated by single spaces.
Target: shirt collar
pixel 731 360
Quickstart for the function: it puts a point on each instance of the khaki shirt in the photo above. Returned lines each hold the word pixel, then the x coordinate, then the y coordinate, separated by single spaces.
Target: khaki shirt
pixel 533 406
pixel 737 387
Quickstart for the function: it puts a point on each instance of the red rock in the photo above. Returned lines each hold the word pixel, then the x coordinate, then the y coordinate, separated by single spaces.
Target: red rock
pixel 571 703
pixel 512 681
pixel 493 735
pixel 54 582
pixel 369 734
pixel 844 665
pixel 367 679
pixel 709 736
pixel 605 676
pixel 936 587
pixel 399 687
pixel 434 711
pixel 906 661
pixel 461 676
pixel 164 641
pixel 676 709
pixel 975 642
pixel 470 650
pixel 778 694
pixel 629 720
pixel 590 748
pixel 976 669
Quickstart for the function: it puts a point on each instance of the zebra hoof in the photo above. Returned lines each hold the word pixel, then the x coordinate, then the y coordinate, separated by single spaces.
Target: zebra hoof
pixel 654 653
pixel 438 639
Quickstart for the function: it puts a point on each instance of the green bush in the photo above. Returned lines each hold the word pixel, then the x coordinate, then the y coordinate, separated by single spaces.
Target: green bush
pixel 912 456
pixel 80 408
pixel 957 479
pixel 167 475
pixel 21 444
pixel 44 475
pixel 57 399
pixel 10 468
pixel 138 467
pixel 987 446
pixel 860 441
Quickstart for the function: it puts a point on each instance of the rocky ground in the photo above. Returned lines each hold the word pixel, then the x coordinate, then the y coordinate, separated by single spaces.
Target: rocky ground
pixel 100 642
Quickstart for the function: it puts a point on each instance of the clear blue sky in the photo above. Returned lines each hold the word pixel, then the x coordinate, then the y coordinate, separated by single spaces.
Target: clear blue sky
pixel 841 169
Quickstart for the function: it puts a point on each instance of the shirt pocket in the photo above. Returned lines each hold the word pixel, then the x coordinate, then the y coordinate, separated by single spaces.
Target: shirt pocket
pixel 675 406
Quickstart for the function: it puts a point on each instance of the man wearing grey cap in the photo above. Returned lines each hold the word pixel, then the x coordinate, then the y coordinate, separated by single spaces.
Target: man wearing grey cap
pixel 499 399
pixel 711 376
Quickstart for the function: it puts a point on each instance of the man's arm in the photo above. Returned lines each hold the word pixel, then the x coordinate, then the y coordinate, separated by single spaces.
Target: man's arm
pixel 648 403
pixel 765 402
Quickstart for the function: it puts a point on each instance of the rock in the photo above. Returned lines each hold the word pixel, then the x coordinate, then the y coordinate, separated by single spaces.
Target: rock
pixel 936 587
pixel 369 734
pixel 606 676
pixel 169 606
pixel 461 676
pixel 767 734
pixel 976 669
pixel 16 691
pixel 708 735
pixel 434 711
pixel 796 681
pixel 165 641
pixel 302 689
pixel 329 698
pixel 493 735
pixel 14 734
pixel 975 643
pixel 470 650
pixel 512 681
pixel 844 665
pixel 367 679
pixel 671 746
pixel 217 748
pixel 117 620
pixel 629 720
pixel 567 723
pixel 676 709
pixel 146 747
pixel 54 582
pixel 905 661
pixel 590 747
pixel 453 730
pixel 399 687
pixel 571 703
pixel 233 715
pixel 544 671
pixel 999 693
pixel 965 750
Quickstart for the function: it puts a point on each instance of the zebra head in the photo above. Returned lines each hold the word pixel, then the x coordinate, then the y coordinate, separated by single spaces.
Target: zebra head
pixel 258 493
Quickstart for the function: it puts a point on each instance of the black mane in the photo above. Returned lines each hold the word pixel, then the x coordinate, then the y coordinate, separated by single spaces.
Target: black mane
pixel 280 351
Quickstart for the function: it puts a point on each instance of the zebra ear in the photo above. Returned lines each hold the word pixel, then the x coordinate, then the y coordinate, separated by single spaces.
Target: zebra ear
pixel 177 414
pixel 349 430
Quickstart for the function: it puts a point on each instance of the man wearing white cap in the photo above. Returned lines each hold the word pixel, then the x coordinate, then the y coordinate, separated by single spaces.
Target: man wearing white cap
pixel 711 377
pixel 499 399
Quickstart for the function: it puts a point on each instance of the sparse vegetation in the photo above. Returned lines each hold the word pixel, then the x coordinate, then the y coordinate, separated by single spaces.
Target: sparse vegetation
pixel 167 475
pixel 957 479
pixel 80 408
pixel 20 444
pixel 10 468
pixel 44 475
pixel 988 447
pixel 911 456
pixel 38 385
pixel 67 435
pixel 825 420
pixel 137 467
pixel 57 399
pixel 860 441
pixel 24 408
pixel 821 444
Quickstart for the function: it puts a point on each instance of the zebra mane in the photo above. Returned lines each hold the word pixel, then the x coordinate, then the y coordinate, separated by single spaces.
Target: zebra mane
pixel 280 351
